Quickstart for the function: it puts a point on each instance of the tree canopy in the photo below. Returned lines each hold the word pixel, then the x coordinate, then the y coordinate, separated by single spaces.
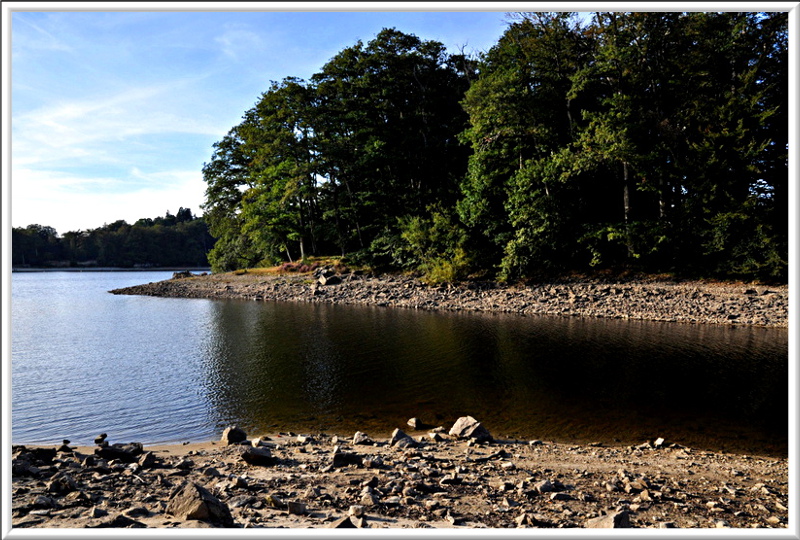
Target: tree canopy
pixel 171 240
pixel 654 141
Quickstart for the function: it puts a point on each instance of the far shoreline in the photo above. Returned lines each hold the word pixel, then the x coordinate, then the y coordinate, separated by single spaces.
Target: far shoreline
pixel 696 302
pixel 111 269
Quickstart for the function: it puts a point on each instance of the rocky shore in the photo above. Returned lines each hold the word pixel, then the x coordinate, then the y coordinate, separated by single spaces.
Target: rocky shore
pixel 417 477
pixel 679 301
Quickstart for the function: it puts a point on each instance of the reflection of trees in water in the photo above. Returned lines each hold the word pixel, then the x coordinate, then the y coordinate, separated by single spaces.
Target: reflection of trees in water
pixel 298 364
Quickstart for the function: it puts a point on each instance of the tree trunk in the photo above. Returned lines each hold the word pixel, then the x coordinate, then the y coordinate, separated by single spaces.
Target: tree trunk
pixel 626 200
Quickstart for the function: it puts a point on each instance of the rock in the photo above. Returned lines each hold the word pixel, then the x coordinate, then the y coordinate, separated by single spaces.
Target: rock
pixel 401 439
pixel 233 435
pixel 356 510
pixel 467 427
pixel 42 501
pixel 78 498
pixel 343 459
pixel 127 453
pixel 659 442
pixel 96 512
pixel 416 423
pixel 100 439
pixel 194 502
pixel 256 455
pixel 343 523
pixel 435 436
pixel 329 280
pixel 64 447
pixel 274 501
pixel 137 511
pixel 296 508
pixel 182 274
pixel 361 438
pixel 147 460
pixel 61 483
pixel 120 521
pixel 616 520
pixel 544 486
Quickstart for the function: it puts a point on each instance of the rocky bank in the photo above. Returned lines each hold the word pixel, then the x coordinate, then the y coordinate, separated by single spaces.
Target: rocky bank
pixel 678 301
pixel 417 478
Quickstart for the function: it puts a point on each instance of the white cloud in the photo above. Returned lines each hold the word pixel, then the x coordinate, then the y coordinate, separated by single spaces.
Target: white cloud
pixel 238 43
pixel 41 40
pixel 73 202
pixel 94 128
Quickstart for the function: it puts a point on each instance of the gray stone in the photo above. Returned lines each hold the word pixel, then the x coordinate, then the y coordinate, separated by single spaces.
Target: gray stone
pixel 343 523
pixel 61 483
pixel 256 455
pixel 616 520
pixel 147 460
pixel 127 453
pixel 467 427
pixel 343 459
pixel 361 438
pixel 296 508
pixel 194 502
pixel 544 486
pixel 233 435
pixel 329 280
pixel 416 423
pixel 400 439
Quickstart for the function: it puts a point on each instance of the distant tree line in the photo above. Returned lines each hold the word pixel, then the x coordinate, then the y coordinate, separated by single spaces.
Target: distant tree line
pixel 171 240
pixel 650 141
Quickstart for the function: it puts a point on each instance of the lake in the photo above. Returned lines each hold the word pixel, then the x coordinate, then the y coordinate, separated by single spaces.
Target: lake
pixel 162 370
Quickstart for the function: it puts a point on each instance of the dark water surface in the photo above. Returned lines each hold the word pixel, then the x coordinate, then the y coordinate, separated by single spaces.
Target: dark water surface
pixel 168 370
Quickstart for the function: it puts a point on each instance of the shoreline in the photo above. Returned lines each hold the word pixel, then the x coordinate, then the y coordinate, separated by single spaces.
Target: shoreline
pixel 23 270
pixel 417 478
pixel 661 301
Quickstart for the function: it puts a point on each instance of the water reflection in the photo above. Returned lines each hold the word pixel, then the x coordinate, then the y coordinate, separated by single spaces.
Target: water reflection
pixel 340 368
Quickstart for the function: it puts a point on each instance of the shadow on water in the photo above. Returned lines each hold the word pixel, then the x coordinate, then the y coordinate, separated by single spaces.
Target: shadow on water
pixel 306 367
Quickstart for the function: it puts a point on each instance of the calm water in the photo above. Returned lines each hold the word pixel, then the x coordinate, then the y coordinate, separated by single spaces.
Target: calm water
pixel 167 370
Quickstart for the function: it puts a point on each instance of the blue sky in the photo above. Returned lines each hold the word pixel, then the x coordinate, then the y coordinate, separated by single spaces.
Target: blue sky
pixel 114 113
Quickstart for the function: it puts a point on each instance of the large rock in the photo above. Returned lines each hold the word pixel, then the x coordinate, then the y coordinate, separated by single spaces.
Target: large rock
pixel 193 501
pixel 329 280
pixel 343 459
pixel 401 440
pixel 233 435
pixel 128 453
pixel 616 520
pixel 256 455
pixel 467 427
pixel 361 438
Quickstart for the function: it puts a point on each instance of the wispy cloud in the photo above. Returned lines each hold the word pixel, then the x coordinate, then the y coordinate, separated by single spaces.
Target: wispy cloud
pixel 78 129
pixel 41 40
pixel 238 42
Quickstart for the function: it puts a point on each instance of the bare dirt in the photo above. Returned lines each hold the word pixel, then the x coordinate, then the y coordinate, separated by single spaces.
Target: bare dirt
pixel 429 481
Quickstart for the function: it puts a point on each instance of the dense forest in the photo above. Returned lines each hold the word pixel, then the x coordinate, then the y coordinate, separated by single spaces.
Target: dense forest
pixel 649 141
pixel 172 240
